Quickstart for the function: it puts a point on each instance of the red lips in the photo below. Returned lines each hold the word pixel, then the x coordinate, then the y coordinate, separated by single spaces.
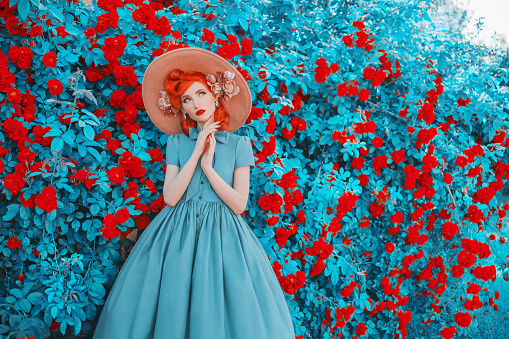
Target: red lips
pixel 200 112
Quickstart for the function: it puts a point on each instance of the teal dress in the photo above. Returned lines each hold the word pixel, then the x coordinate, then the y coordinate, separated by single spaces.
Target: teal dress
pixel 198 271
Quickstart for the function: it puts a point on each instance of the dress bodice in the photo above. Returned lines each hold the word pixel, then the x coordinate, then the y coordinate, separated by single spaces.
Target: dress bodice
pixel 231 151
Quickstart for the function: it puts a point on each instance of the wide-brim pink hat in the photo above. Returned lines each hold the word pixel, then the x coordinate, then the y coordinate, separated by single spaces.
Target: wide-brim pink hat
pixel 192 59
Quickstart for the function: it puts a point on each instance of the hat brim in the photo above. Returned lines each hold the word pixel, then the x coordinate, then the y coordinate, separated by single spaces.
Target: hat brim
pixel 192 59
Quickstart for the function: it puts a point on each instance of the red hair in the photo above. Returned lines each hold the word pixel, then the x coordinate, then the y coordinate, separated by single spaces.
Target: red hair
pixel 177 83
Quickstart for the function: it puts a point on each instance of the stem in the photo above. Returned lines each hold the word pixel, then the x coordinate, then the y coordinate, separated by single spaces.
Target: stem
pixel 452 197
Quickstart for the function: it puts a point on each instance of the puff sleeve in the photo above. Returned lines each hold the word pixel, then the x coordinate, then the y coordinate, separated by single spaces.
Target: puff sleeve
pixel 244 153
pixel 172 150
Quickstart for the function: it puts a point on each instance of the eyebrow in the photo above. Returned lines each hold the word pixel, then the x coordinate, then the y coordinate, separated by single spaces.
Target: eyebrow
pixel 201 89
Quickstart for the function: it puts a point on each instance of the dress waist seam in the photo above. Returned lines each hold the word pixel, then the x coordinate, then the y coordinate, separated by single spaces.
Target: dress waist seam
pixel 202 201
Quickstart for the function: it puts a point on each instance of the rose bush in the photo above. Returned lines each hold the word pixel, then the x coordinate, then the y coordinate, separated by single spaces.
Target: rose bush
pixel 380 143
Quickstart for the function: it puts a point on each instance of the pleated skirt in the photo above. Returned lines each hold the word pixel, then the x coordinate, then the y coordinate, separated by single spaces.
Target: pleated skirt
pixel 197 271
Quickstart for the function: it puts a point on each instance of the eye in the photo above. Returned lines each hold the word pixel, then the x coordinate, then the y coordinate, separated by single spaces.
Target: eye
pixel 185 100
pixel 202 92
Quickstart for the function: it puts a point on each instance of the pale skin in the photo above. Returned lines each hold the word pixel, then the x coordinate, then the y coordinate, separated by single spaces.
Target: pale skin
pixel 199 97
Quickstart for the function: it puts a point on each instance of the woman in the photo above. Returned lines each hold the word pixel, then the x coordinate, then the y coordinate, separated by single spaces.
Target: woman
pixel 198 271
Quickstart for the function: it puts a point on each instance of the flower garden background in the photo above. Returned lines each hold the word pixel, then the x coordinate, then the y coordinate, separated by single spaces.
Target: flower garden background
pixel 380 137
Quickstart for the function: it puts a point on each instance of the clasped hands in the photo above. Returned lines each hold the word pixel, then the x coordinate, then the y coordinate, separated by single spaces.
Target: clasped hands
pixel 206 137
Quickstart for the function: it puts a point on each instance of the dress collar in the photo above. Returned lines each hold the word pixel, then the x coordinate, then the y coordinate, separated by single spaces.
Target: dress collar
pixel 221 136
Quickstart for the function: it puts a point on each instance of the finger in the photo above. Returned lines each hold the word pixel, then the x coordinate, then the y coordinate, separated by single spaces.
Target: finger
pixel 209 121
pixel 213 125
pixel 208 132
pixel 211 131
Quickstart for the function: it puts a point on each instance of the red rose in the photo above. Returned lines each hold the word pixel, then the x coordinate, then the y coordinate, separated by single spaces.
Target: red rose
pixel 122 215
pixel 449 230
pixel 379 162
pixel 389 247
pixel 447 178
pixel 116 175
pixel 358 163
pixel 13 243
pixel 317 268
pixel 376 209
pixel 457 271
pixel 361 329
pixel 397 217
pixel 378 142
pixel 49 59
pixel 47 199
pixel 448 332
pixel 246 46
pixel 463 319
pixel 363 94
pixel 208 36
pixel 465 259
pixel 473 288
pixel 398 156
pixel 347 40
pixel 363 179
pixel 55 87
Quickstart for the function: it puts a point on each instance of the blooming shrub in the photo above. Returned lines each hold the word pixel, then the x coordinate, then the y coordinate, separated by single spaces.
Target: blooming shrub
pixel 380 152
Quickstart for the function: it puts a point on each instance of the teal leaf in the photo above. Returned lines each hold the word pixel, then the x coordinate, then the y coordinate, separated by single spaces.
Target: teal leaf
pixel 25 305
pixel 57 144
pixel 243 23
pixel 68 137
pixel 12 210
pixel 24 212
pixel 94 152
pixel 36 298
pixel 94 209
pixel 24 9
pixel 16 292
pixel 89 132
pixel 77 325
pixel 82 150
pixel 52 215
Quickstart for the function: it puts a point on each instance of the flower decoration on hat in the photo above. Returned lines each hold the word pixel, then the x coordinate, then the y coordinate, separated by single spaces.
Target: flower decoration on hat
pixel 223 85
pixel 165 105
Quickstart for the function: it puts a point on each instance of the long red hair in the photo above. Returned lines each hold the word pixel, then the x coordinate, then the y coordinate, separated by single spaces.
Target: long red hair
pixel 176 83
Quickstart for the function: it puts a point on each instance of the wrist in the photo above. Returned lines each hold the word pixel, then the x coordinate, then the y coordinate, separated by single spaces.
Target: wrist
pixel 207 169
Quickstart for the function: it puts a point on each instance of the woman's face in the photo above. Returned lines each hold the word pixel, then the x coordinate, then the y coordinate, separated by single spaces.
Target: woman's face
pixel 198 102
